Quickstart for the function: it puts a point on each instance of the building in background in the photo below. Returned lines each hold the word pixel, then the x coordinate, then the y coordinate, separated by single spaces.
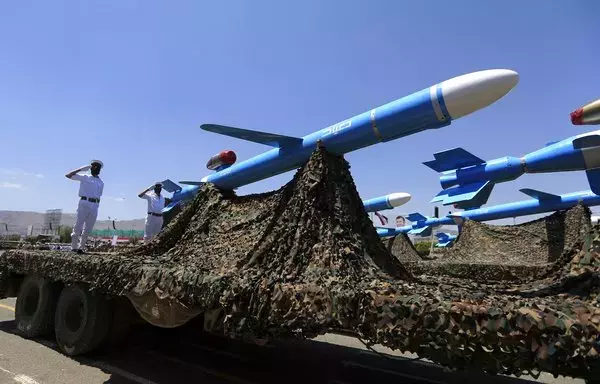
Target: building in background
pixel 121 233
pixel 52 220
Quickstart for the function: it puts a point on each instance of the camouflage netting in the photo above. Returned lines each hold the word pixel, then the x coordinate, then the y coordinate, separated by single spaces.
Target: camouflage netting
pixel 536 242
pixel 525 252
pixel 401 247
pixel 305 260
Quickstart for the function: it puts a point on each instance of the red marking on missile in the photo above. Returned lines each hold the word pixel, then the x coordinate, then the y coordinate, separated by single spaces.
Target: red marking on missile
pixel 576 116
pixel 228 157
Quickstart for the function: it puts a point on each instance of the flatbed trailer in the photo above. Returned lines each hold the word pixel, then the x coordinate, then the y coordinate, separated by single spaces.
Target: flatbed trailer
pixel 305 260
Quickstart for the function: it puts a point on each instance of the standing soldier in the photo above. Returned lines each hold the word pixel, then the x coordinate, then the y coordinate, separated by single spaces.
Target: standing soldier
pixel 90 191
pixel 156 203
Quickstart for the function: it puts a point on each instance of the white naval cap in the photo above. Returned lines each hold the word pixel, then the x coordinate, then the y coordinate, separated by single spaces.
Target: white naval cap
pixel 159 183
pixel 97 161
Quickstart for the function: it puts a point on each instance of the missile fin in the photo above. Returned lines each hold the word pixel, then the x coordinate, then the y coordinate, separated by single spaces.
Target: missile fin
pixel 170 186
pixel 586 142
pixel 170 206
pixel 466 196
pixel 539 195
pixel 441 235
pixel 480 198
pixel 452 159
pixel 416 217
pixel 423 231
pixel 198 183
pixel 270 139
pixel 593 176
pixel 445 239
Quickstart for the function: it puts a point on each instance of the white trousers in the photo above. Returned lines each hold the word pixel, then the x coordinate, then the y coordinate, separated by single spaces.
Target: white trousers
pixel 87 213
pixel 153 226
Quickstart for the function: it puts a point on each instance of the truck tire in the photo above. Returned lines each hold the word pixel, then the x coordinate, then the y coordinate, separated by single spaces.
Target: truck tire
pixel 36 303
pixel 82 320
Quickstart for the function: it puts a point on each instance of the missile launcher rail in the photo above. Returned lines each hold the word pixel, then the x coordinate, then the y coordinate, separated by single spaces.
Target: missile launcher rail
pixel 306 260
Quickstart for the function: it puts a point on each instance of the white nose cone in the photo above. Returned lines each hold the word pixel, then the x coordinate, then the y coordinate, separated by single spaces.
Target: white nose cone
pixel 398 199
pixel 467 93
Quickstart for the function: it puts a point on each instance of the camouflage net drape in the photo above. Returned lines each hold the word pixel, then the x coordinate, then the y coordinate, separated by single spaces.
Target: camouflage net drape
pixel 306 259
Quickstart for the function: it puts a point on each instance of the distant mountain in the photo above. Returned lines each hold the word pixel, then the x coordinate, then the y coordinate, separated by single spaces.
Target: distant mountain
pixel 18 221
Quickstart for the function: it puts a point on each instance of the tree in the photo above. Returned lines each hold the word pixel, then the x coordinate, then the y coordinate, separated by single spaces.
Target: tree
pixel 13 237
pixel 423 247
pixel 65 234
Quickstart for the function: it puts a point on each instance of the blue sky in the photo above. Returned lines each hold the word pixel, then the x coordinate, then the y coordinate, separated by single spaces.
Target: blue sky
pixel 130 82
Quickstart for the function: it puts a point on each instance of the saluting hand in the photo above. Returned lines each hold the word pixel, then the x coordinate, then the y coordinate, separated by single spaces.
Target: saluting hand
pixel 84 168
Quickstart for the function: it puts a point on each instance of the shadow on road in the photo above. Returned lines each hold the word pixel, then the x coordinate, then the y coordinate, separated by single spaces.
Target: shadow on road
pixel 159 356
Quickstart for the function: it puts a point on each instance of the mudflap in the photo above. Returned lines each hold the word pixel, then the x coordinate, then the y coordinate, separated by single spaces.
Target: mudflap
pixel 161 310
pixel 9 286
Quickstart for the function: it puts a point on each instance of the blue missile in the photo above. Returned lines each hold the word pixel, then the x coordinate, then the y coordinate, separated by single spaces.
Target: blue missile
pixel 468 180
pixel 383 203
pixel 375 204
pixel 420 225
pixel 542 202
pixel 431 108
pixel 445 240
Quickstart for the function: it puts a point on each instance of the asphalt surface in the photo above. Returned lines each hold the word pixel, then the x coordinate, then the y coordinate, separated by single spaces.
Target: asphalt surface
pixel 156 356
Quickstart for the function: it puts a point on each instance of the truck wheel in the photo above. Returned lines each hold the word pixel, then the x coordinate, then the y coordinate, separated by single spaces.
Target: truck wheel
pixel 82 320
pixel 36 303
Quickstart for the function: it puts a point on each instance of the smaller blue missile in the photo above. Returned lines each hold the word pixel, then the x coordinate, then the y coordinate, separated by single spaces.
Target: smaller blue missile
pixel 420 226
pixel 423 225
pixel 542 202
pixel 445 240
pixel 383 203
pixel 468 180
pixel 380 203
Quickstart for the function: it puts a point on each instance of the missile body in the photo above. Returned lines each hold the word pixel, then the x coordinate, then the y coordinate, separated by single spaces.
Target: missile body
pixel 468 180
pixel 542 202
pixel 430 108
pixel 383 203
pixel 420 225
pixel 589 114
pixel 375 204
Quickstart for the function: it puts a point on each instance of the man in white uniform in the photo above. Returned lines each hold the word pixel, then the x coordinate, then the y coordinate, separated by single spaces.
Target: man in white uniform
pixel 156 203
pixel 90 191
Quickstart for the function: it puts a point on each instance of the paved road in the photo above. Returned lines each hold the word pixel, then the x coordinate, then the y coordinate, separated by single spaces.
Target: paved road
pixel 153 356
